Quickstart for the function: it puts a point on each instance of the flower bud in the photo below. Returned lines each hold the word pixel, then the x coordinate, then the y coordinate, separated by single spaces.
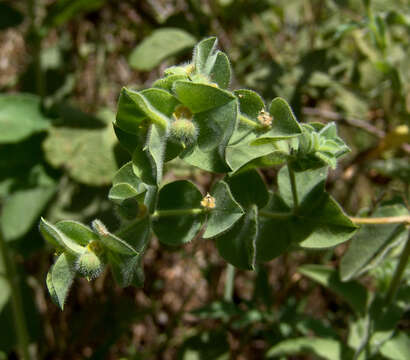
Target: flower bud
pixel 90 263
pixel 183 130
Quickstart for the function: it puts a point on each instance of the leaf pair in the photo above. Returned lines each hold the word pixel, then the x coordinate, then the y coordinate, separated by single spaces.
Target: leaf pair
pixel 258 132
pixel 84 251
pixel 272 224
pixel 180 215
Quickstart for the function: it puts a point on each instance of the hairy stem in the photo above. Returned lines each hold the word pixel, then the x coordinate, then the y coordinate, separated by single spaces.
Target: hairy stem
pixel 398 273
pixel 249 122
pixel 16 300
pixel 294 189
pixel 177 212
pixel 229 282
pixel 405 219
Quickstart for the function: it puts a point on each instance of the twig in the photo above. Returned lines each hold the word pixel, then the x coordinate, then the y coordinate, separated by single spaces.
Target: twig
pixel 405 219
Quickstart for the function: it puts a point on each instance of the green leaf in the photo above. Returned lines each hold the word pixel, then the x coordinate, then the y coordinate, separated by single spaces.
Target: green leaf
pixel 397 348
pixel 160 100
pixel 154 104
pixel 352 292
pixel 324 348
pixel 201 97
pixel 240 155
pixel 111 241
pixel 22 209
pixel 158 46
pixel 120 192
pixel 221 71
pixel 385 319
pixel 249 189
pixel 209 161
pixel 167 83
pixel 77 232
pixel 9 17
pixel 237 245
pixel 274 235
pixel 204 55
pixel 156 145
pixel 144 167
pixel 87 155
pixel 244 145
pixel 308 183
pixel 130 117
pixel 137 233
pixel 60 279
pixel 250 104
pixel 321 222
pixel 178 229
pixel 58 239
pixel 216 126
pixel 127 270
pixel 284 123
pixel 226 212
pixel 20 117
pixel 364 254
pixel 125 184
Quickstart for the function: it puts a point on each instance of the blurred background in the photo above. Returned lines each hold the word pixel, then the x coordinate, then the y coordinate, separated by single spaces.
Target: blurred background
pixel 62 65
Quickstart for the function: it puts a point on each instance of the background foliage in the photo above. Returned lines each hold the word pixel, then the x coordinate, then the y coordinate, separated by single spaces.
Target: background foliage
pixel 62 67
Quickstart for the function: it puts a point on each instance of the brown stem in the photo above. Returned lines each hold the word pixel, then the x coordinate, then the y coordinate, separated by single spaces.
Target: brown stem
pixel 405 219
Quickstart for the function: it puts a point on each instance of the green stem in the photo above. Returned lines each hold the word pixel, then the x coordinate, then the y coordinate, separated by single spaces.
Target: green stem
pixel 272 215
pixel 16 300
pixel 294 189
pixel 249 122
pixel 229 282
pixel 398 273
pixel 177 212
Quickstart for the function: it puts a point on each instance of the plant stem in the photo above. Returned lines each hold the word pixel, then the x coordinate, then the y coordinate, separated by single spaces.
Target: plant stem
pixel 177 212
pixel 405 219
pixel 273 215
pixel 294 189
pixel 249 122
pixel 229 282
pixel 16 300
pixel 398 273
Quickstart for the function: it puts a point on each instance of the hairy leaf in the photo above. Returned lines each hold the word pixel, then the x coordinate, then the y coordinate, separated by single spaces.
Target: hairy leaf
pixel 226 213
pixel 178 229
